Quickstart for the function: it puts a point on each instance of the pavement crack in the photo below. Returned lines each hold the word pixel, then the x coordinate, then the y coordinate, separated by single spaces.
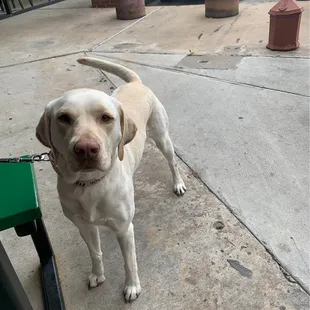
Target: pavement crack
pixel 102 53
pixel 209 77
pixel 42 59
pixel 234 21
pixel 108 79
pixel 287 275
pixel 216 30
pixel 124 29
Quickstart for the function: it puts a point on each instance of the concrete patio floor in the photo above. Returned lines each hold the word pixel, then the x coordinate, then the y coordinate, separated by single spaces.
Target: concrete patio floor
pixel 240 121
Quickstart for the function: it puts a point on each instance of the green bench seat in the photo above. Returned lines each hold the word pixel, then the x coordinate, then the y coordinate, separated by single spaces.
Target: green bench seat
pixel 20 209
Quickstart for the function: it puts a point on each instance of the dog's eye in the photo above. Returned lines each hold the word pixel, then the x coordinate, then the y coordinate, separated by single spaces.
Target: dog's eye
pixel 106 117
pixel 65 118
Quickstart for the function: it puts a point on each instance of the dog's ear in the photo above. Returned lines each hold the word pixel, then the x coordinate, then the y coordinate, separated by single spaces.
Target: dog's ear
pixel 128 130
pixel 43 134
pixel 43 130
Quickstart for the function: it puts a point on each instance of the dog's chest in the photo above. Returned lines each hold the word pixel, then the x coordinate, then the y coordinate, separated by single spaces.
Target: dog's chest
pixel 100 208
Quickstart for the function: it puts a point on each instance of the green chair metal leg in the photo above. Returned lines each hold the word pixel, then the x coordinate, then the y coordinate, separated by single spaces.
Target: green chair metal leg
pixel 53 299
pixel 12 294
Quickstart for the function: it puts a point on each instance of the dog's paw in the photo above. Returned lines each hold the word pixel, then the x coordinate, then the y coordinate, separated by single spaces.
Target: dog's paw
pixel 95 280
pixel 179 188
pixel 131 292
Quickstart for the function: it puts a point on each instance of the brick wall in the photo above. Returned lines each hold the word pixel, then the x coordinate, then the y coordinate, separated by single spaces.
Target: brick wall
pixel 103 3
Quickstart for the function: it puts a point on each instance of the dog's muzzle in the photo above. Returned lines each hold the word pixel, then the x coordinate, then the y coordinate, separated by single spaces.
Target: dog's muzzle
pixel 86 152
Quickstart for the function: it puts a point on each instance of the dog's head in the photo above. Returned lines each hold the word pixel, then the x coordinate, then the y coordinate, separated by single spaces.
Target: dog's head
pixel 87 128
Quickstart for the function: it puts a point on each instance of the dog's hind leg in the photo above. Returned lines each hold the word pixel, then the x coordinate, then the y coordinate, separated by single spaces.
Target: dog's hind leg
pixel 158 130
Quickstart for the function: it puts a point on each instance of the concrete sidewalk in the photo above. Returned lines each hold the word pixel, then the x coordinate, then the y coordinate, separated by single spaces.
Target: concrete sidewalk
pixel 248 143
pixel 239 119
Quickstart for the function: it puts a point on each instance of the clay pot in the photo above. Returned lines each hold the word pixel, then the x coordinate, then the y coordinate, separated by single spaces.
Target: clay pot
pixel 129 9
pixel 221 8
pixel 284 26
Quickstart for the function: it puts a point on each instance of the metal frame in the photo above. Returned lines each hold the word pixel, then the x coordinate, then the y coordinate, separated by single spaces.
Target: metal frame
pixel 12 293
pixel 10 286
pixel 5 6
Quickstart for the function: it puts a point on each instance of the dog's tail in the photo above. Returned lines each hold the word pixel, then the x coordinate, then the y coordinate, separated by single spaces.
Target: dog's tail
pixel 125 74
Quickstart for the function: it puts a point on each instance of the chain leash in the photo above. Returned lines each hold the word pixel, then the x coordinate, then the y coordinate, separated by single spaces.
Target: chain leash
pixel 33 158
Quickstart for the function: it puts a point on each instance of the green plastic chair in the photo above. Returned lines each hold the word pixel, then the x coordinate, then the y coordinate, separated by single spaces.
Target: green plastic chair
pixel 20 209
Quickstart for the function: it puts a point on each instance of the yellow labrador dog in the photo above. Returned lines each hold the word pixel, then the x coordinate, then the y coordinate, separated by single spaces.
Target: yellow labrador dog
pixel 96 143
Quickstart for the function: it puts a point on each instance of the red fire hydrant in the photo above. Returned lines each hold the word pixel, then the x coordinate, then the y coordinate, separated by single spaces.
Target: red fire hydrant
pixel 285 19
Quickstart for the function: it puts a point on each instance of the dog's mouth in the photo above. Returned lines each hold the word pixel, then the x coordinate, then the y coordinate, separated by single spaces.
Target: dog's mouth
pixel 88 169
pixel 86 165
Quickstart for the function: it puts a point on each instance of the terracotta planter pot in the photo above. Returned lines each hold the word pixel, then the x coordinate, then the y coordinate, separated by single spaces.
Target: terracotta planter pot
pixel 221 8
pixel 103 3
pixel 284 26
pixel 129 9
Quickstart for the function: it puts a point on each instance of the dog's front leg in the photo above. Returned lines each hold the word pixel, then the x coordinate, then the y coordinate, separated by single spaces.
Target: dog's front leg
pixel 90 234
pixel 126 241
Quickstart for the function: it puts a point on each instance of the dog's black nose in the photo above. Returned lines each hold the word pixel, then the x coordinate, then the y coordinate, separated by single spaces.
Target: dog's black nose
pixel 87 148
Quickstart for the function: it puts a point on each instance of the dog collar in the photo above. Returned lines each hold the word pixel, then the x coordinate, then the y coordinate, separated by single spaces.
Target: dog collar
pixel 86 183
pixel 78 183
